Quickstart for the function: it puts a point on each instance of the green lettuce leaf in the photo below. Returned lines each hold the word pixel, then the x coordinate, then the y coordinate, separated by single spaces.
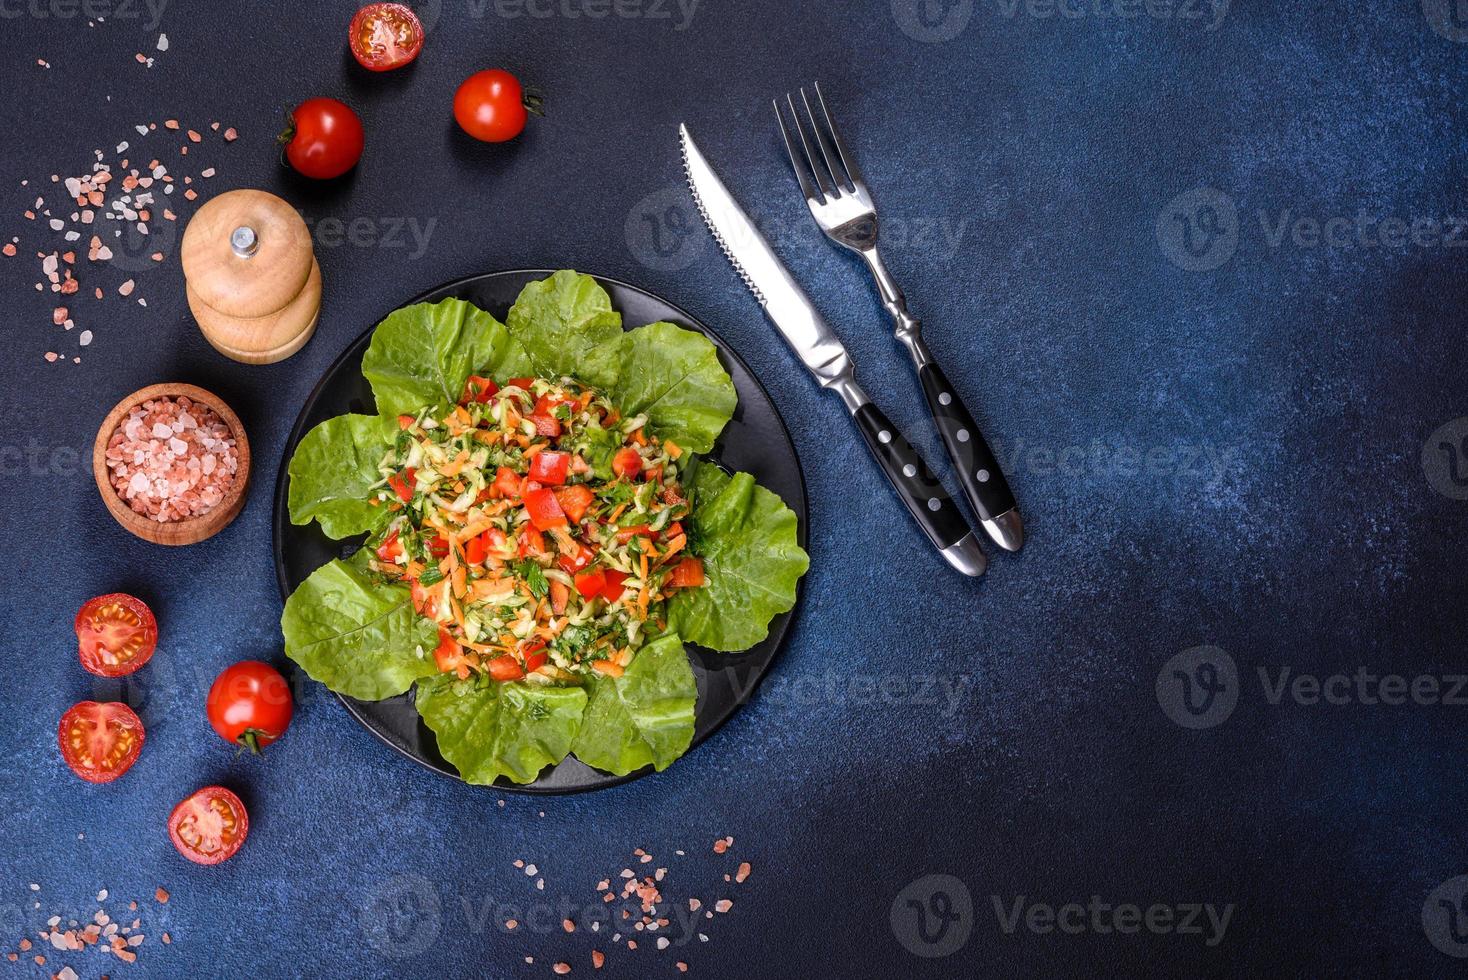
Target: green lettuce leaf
pixel 746 537
pixel 331 471
pixel 568 327
pixel 645 716
pixel 421 355
pixel 357 634
pixel 488 729
pixel 674 376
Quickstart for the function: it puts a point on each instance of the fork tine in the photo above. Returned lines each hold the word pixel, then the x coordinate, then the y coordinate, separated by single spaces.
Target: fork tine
pixel 837 178
pixel 848 161
pixel 806 187
pixel 815 168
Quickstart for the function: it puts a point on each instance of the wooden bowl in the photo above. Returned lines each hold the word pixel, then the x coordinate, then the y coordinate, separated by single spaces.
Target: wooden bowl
pixel 194 529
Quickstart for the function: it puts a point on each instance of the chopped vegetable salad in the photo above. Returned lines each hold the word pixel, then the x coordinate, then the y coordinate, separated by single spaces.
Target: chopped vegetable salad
pixel 539 529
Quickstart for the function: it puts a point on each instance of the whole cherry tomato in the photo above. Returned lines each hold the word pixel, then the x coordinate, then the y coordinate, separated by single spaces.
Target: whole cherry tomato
pixel 384 36
pixel 491 106
pixel 250 704
pixel 115 634
pixel 209 826
pixel 324 139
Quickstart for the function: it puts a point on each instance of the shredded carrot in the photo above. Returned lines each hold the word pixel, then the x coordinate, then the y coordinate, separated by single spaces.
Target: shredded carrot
pixel 674 450
pixel 637 437
pixel 612 518
pixel 461 584
pixel 675 546
pixel 607 667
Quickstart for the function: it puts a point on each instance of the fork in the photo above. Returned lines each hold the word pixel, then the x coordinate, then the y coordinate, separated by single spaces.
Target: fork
pixel 842 206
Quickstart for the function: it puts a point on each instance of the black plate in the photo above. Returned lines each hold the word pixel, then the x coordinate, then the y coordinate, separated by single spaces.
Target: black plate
pixel 755 441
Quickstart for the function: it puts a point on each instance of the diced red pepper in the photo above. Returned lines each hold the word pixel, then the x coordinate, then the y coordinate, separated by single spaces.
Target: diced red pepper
pixel 506 483
pixel 439 547
pixel 614 587
pixel 627 462
pixel 575 558
pixel 448 655
pixel 476 549
pixel 523 383
pixel 575 501
pixel 389 549
pixel 478 389
pixel 402 484
pixel 405 420
pixel 423 600
pixel 532 542
pixel 559 596
pixel 545 513
pixel 673 530
pixel 688 573
pixel 546 425
pixel 550 467
pixel 546 404
pixel 535 661
pixel 626 534
pixel 654 474
pixel 590 584
pixel 506 668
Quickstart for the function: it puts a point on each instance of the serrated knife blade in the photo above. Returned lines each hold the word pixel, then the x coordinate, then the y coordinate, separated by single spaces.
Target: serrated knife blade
pixel 808 334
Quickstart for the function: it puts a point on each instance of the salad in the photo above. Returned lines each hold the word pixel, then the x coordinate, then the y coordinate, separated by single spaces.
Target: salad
pixel 543 533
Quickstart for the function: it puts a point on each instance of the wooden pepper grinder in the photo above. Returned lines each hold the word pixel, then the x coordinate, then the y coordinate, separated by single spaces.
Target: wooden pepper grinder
pixel 252 280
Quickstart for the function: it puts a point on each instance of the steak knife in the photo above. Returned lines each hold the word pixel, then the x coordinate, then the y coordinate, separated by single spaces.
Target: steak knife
pixel 806 332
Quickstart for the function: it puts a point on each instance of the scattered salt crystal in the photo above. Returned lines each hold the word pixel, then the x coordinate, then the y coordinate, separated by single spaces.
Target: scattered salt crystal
pixel 126 289
pixel 102 895
pixel 162 42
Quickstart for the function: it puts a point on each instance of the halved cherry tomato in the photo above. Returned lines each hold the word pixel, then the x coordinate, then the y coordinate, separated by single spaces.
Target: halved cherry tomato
pixel 476 549
pixel 402 484
pixel 627 462
pixel 590 584
pixel 390 549
pixel 448 655
pixel 478 389
pixel 100 741
pixel 688 573
pixel 574 501
pixel 614 587
pixel 550 467
pixel 506 668
pixel 209 826
pixel 546 425
pixel 545 513
pixel 116 634
pixel 249 704
pixel 507 483
pixel 625 534
pixel 439 547
pixel 384 36
pixel 560 595
pixel 575 557
pixel 523 383
pixel 405 420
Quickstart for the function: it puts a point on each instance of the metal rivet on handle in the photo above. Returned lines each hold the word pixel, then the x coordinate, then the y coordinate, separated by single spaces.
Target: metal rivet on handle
pixel 945 398
pixel 963 435
pixel 884 437
pixel 934 503
pixel 909 470
pixel 983 476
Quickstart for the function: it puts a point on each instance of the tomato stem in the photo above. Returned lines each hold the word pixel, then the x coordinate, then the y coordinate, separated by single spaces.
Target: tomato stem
pixel 250 739
pixel 289 133
pixel 534 103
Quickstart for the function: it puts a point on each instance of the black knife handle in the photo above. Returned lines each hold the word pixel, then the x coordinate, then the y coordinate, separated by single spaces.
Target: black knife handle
pixel 978 471
pixel 926 500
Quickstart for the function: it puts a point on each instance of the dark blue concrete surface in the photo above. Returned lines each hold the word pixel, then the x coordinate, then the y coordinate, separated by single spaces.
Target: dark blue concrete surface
pixel 1223 424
